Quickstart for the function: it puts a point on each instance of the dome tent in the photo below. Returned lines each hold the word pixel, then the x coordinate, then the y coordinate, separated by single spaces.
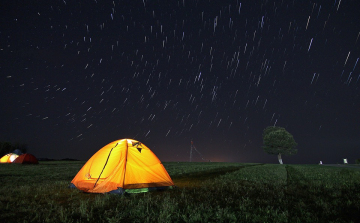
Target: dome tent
pixel 8 158
pixel 124 165
pixel 26 158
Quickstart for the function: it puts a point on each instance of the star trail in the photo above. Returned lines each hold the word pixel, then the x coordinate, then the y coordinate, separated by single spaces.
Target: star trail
pixel 78 75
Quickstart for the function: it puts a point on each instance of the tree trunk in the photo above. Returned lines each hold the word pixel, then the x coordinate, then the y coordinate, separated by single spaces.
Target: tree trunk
pixel 279 158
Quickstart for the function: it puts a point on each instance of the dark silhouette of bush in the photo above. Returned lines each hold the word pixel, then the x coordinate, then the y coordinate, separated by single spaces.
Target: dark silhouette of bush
pixel 8 147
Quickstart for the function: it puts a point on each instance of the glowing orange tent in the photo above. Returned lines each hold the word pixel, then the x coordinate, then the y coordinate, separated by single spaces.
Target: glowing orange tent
pixel 8 158
pixel 26 158
pixel 125 165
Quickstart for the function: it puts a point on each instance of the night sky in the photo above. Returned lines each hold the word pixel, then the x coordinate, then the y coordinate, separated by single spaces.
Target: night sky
pixel 77 75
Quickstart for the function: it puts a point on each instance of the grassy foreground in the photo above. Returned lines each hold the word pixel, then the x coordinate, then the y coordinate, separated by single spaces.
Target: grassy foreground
pixel 206 192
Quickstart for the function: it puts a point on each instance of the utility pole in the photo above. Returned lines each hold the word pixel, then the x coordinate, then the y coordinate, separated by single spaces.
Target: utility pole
pixel 191 148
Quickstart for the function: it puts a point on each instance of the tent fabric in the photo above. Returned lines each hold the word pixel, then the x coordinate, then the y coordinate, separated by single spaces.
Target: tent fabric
pixel 8 158
pixel 26 158
pixel 122 165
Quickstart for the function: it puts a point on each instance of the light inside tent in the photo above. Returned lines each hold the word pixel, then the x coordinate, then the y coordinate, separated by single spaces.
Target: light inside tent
pixel 13 157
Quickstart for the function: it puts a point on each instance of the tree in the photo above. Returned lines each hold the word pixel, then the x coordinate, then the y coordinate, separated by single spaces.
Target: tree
pixel 5 148
pixel 8 147
pixel 278 141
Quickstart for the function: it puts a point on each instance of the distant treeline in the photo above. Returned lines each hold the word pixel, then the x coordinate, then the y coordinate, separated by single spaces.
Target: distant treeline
pixel 50 159
pixel 8 147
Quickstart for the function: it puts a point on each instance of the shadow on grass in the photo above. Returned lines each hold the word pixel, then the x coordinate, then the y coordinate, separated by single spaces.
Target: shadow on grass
pixel 195 178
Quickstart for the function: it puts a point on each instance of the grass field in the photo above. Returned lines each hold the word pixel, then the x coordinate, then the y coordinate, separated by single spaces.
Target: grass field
pixel 206 192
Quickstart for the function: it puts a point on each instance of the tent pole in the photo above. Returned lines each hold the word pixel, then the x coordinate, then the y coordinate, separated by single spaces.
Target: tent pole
pixel 105 164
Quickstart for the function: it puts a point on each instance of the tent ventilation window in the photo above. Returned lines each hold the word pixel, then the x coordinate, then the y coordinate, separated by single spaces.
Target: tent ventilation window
pixel 137 144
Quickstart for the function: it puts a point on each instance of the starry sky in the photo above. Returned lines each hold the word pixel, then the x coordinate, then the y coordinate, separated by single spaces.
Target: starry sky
pixel 77 75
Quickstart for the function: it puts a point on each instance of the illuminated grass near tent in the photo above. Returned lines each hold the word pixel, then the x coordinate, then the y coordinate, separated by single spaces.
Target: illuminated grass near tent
pixel 207 192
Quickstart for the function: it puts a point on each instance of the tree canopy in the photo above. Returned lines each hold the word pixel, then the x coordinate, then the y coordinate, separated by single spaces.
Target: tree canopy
pixel 278 141
pixel 7 147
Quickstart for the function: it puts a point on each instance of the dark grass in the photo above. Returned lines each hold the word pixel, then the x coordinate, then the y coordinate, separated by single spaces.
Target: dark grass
pixel 206 192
